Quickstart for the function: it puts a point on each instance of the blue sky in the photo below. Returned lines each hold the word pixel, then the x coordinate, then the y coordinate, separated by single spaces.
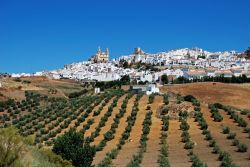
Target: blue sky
pixel 40 35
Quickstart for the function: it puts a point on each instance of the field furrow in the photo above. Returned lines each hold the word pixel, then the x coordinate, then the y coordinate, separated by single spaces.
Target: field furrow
pixel 225 144
pixel 235 128
pixel 112 143
pixel 153 144
pixel 177 154
pixel 131 147
pixel 78 128
pixel 109 122
pixel 201 146
pixel 97 119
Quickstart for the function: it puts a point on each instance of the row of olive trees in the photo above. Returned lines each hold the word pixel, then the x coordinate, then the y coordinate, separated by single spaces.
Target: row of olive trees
pixel 74 113
pixel 107 160
pixel 137 158
pixel 109 135
pixel 163 157
pixel 224 157
pixel 104 118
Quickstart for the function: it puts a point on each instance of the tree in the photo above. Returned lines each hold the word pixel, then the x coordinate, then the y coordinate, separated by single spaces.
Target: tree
pixel 247 52
pixel 71 146
pixel 11 147
pixel 125 79
pixel 164 79
pixel 17 150
pixel 125 64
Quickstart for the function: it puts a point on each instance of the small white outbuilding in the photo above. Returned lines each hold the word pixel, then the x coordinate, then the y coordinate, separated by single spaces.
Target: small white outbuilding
pixel 152 89
pixel 148 89
pixel 97 90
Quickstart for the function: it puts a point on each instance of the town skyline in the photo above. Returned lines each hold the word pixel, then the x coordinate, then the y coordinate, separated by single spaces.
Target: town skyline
pixel 112 57
pixel 47 34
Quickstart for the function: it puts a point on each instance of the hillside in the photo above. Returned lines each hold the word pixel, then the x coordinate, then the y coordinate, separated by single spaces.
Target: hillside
pixel 236 95
pixel 15 88
pixel 139 130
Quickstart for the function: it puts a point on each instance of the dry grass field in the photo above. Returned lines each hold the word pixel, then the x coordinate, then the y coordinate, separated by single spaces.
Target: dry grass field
pixel 13 89
pixel 236 95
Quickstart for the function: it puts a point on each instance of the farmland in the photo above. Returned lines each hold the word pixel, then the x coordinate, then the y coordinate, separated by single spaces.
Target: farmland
pixel 181 127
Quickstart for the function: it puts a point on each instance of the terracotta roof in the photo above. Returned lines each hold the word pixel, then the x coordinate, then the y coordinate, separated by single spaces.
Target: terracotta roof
pixel 246 72
pixel 223 72
pixel 197 72
pixel 210 69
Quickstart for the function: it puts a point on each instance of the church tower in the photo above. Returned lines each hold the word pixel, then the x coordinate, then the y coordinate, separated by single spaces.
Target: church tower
pixel 107 51
pixel 101 57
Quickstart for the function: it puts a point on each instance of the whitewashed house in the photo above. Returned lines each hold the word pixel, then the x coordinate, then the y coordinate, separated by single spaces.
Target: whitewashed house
pixel 97 90
pixel 146 77
pixel 246 73
pixel 148 89
pixel 210 72
pixel 225 73
pixel 236 72
pixel 67 74
pixel 15 75
pixel 55 75
pixel 152 89
pixel 196 74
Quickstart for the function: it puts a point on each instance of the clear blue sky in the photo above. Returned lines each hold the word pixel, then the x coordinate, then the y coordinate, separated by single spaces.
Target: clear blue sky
pixel 40 35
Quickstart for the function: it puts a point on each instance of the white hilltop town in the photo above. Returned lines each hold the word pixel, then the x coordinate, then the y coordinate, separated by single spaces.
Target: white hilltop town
pixel 191 64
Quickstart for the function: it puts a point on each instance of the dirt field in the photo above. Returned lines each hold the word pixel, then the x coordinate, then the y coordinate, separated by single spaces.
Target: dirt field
pixel 153 146
pixel 111 144
pixel 15 89
pixel 228 94
pixel 130 148
pixel 236 95
pixel 240 159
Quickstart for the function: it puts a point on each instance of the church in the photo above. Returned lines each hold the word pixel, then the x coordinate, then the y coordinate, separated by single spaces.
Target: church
pixel 100 57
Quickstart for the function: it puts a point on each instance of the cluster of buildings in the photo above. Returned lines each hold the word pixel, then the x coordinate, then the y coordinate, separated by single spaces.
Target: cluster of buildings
pixel 88 70
pixel 189 63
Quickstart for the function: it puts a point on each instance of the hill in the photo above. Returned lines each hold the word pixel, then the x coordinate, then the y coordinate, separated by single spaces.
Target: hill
pixel 236 95
pixel 15 87
pixel 139 130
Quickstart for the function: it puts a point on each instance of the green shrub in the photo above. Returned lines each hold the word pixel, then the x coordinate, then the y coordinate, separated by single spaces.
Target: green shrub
pixel 208 136
pixel 212 143
pixel 226 130
pixel 244 112
pixel 242 148
pixel 235 142
pixel 231 136
pixel 184 126
pixel 165 99
pixel 189 145
pixel 216 149
pixel 165 110
pixel 189 98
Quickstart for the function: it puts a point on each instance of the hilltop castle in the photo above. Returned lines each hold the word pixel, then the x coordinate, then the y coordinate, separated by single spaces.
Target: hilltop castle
pixel 100 57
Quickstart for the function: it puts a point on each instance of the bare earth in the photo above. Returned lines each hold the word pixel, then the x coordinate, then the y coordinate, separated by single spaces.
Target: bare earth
pixel 236 95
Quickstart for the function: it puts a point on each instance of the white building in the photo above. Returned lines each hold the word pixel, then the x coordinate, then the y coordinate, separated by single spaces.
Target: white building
pixel 148 89
pixel 152 89
pixel 97 90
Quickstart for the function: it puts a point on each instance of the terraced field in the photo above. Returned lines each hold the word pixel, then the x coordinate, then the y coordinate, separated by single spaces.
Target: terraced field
pixel 138 130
